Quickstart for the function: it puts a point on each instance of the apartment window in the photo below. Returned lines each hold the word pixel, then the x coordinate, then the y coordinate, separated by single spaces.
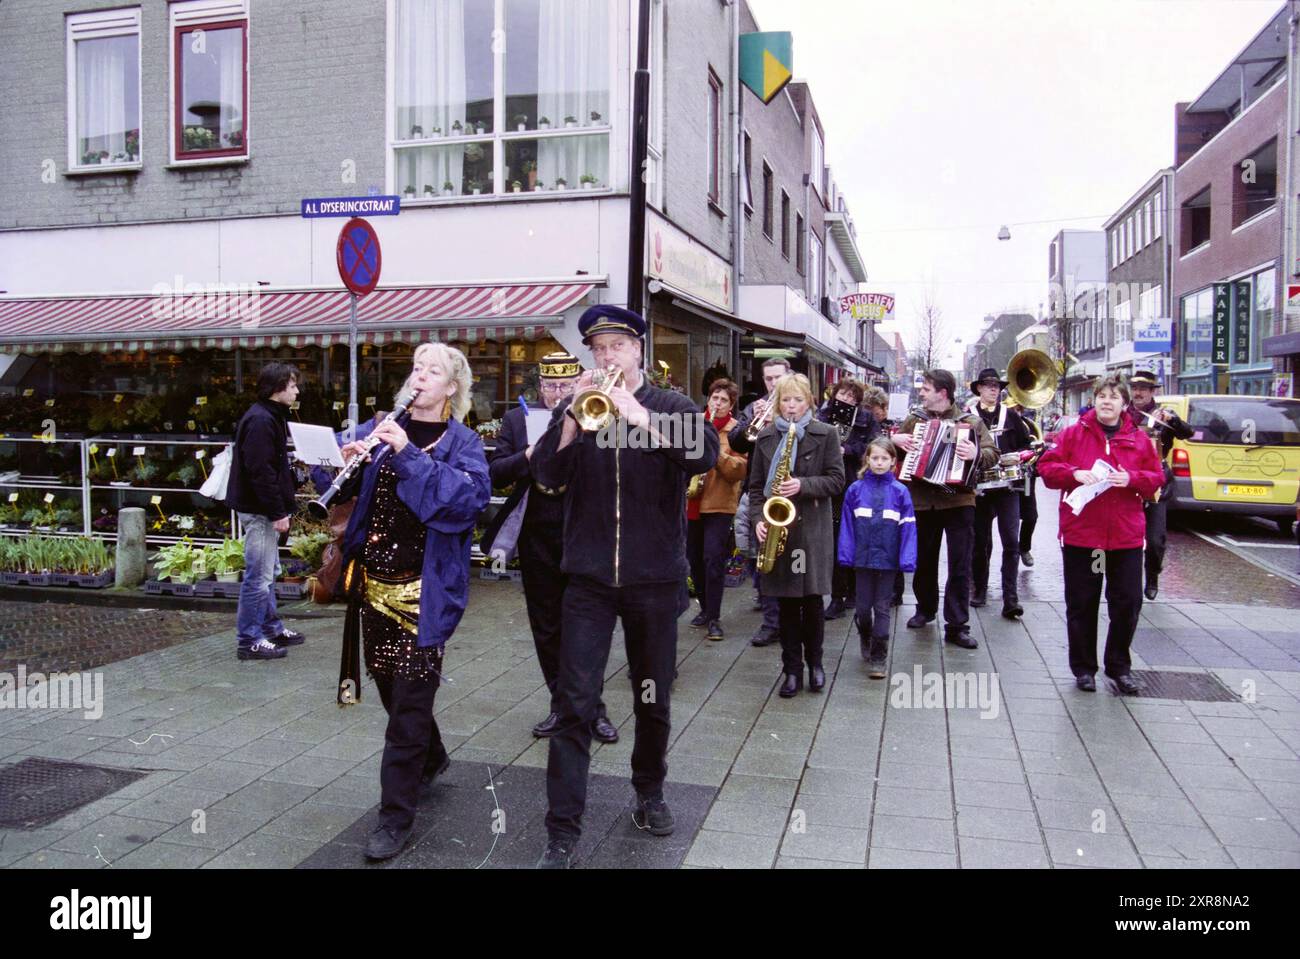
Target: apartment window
pixel 1124 321
pixel 1150 222
pixel 818 162
pixel 768 201
pixel 1196 221
pixel 1195 329
pixel 655 129
pixel 815 271
pixel 1159 213
pixel 747 173
pixel 785 224
pixel 1114 248
pixel 532 119
pixel 1051 258
pixel 799 264
pixel 103 88
pixel 833 289
pixel 715 138
pixel 1149 303
pixel 210 82
pixel 1261 320
pixel 1254 187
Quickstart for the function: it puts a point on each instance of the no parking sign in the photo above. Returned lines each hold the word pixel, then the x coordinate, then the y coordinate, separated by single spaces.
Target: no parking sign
pixel 359 257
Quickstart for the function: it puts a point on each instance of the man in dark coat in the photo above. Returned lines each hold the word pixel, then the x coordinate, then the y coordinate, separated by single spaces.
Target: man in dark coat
pixel 856 426
pixel 625 556
pixel 261 489
pixel 533 519
pixel 1010 435
pixel 1167 427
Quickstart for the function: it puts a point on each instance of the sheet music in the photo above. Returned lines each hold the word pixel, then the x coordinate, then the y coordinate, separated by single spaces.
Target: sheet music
pixel 315 445
pixel 537 422
pixel 1081 496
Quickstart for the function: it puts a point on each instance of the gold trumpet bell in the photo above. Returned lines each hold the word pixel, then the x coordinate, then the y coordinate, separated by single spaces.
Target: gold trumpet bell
pixel 1032 378
pixel 594 408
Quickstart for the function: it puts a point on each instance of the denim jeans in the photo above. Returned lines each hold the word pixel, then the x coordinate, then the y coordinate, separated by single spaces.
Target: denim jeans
pixel 256 618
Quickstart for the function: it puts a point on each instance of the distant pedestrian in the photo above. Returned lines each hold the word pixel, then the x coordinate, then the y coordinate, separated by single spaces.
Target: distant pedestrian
pixel 261 491
pixel 878 542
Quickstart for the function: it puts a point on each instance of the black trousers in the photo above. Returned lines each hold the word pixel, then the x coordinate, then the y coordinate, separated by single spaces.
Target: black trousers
pixel 1157 539
pixel 843 580
pixel 412 743
pixel 803 628
pixel 958 524
pixel 707 539
pixel 540 550
pixel 649 615
pixel 1028 515
pixel 1083 581
pixel 874 595
pixel 1004 506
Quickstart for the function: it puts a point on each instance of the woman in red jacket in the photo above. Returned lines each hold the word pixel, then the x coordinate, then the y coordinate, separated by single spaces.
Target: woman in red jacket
pixel 1111 526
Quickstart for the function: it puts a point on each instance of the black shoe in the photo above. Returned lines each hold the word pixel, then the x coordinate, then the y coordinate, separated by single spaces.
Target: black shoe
pixel 289 638
pixel 791 683
pixel 715 632
pixel 434 769
pixel 835 610
pixel 1012 610
pixel 1151 592
pixel 765 637
pixel 816 679
pixel 897 600
pixel 757 605
pixel 700 621
pixel 1026 558
pixel 653 815
pixel 386 842
pixel 962 639
pixel 558 855
pixel 604 730
pixel 981 598
pixel 876 666
pixel 919 621
pixel 262 649
pixel 1127 684
pixel 548 726
pixel 1086 683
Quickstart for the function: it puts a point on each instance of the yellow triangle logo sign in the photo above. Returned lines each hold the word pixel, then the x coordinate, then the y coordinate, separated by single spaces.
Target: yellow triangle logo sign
pixel 775 76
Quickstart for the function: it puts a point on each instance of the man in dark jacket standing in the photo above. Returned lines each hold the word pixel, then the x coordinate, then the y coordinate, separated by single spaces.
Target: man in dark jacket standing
pixel 1010 435
pixel 856 426
pixel 1163 425
pixel 625 556
pixel 260 490
pixel 941 512
pixel 536 514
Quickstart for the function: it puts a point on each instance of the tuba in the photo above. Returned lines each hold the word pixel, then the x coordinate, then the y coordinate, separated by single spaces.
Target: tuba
pixel 594 408
pixel 778 511
pixel 1031 379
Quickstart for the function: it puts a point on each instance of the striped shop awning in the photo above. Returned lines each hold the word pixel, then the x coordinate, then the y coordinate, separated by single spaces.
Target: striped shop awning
pixel 224 318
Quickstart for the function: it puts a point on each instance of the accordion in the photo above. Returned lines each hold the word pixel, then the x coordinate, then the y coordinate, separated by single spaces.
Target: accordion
pixel 933 458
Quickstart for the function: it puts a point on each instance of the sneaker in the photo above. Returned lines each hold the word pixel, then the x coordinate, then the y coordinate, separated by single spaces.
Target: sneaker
pixel 1026 558
pixel 653 815
pixel 715 632
pixel 558 855
pixel 289 638
pixel 386 842
pixel 700 621
pixel 262 649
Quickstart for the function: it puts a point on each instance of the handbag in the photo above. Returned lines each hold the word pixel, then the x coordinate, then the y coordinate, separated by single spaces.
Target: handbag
pixel 214 487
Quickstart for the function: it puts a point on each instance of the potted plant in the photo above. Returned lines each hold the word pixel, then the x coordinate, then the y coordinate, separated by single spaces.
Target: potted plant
pixel 409 191
pixel 521 122
pixel 595 118
pixel 516 187
pixel 456 128
pixel 588 181
pixel 475 187
pixel 226 560
pixel 570 121
pixel 428 190
pixel 417 131
pixel 133 143
pixel 480 127
pixel 145 473
pixel 530 169
pixel 447 187
pixel 544 123
pixel 176 563
pixel 310 548
pixel 561 183
pixel 435 132
pixel 539 187
pixel 236 139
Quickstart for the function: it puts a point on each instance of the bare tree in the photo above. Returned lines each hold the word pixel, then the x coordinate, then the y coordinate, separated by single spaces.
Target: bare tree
pixel 931 334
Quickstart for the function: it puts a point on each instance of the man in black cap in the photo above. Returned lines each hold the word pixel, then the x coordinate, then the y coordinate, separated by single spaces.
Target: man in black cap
pixel 1010 435
pixel 625 555
pixel 1167 427
pixel 532 519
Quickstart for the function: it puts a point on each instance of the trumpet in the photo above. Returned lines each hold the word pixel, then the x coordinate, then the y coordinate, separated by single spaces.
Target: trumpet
pixel 594 408
pixel 756 427
pixel 320 508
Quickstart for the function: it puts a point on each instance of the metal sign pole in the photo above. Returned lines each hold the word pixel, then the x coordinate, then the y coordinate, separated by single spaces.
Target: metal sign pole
pixel 351 431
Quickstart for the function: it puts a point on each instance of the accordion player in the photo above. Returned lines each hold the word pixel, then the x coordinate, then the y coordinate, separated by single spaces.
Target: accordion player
pixel 933 458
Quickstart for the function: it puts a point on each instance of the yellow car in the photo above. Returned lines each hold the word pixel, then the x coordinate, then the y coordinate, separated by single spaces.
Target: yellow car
pixel 1244 456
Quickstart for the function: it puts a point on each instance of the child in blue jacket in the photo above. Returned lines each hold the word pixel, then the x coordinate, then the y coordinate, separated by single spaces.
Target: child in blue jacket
pixel 877 539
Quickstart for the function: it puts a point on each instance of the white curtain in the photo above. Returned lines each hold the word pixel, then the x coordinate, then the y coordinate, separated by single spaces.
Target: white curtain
pixel 573 80
pixel 101 94
pixel 230 97
pixel 430 91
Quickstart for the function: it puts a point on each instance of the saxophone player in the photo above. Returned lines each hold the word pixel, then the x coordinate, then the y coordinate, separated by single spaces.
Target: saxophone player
pixel 798 458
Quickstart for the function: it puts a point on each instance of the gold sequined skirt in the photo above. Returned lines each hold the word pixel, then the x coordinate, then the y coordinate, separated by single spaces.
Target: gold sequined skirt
pixel 390 624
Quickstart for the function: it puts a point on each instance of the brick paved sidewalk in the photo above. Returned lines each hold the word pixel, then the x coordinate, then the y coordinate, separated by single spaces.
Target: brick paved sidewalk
pixel 842 778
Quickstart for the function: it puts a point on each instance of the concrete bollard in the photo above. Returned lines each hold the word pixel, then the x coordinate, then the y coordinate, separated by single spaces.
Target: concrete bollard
pixel 130 548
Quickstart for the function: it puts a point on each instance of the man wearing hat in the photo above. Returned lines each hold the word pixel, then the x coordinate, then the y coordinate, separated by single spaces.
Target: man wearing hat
pixel 532 520
pixel 1010 435
pixel 624 535
pixel 1144 384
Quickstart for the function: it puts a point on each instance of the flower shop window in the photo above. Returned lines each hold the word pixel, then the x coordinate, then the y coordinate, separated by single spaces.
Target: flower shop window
pixel 532 76
pixel 103 89
pixel 210 84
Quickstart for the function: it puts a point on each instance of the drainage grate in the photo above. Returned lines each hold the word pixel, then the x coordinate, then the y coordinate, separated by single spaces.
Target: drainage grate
pixel 37 791
pixel 1194 687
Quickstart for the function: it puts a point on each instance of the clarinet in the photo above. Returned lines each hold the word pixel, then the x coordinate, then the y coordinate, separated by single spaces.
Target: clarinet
pixel 319 508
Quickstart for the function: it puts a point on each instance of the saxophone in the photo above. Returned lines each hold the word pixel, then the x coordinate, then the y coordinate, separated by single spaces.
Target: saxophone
pixel 778 511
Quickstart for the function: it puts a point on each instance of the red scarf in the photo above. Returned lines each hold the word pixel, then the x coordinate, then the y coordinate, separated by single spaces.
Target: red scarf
pixel 722 426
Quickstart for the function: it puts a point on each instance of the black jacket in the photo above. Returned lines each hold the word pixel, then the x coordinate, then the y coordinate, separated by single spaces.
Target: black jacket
pixel 261 477
pixel 508 465
pixel 864 430
pixel 1014 435
pixel 1177 428
pixel 624 507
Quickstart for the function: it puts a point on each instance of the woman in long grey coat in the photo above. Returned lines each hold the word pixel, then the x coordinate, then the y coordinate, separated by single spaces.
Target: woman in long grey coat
pixel 802 573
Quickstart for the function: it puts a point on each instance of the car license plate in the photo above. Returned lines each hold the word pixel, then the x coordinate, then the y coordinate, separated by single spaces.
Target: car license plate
pixel 1237 489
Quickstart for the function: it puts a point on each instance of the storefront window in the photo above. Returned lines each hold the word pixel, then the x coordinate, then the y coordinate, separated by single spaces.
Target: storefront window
pixel 1261 324
pixel 1195 330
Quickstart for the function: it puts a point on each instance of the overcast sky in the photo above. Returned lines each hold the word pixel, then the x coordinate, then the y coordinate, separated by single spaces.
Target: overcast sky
pixel 946 119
